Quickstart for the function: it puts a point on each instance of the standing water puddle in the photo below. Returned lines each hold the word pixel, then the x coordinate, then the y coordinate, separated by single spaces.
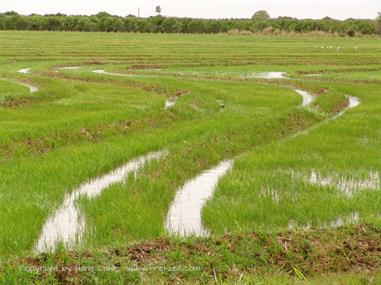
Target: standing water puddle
pixel 313 75
pixel 269 75
pixel 307 97
pixel 169 103
pixel 32 89
pixel 24 71
pixel 101 71
pixel 353 101
pixel 67 224
pixel 69 68
pixel 351 219
pixel 184 216
pixel 346 185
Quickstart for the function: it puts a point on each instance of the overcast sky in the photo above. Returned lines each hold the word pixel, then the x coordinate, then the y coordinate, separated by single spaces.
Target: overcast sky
pixel 340 9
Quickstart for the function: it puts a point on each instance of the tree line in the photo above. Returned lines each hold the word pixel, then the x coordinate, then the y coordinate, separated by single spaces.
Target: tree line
pixel 260 22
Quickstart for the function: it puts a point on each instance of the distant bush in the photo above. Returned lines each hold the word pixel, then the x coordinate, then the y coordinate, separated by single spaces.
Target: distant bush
pixel 261 23
pixel 319 33
pixel 351 33
pixel 239 32
pixel 268 31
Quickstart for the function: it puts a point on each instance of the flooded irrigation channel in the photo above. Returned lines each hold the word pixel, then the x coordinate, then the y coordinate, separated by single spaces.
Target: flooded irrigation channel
pixel 67 224
pixel 184 216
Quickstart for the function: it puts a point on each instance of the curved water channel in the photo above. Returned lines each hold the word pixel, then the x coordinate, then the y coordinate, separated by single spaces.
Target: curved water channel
pixel 67 225
pixel 269 75
pixel 101 71
pixel 68 68
pixel 184 215
pixel 169 103
pixel 32 89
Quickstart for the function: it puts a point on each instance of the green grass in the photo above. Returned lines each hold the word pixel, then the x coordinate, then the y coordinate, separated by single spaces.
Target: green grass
pixel 317 257
pixel 80 125
pixel 348 147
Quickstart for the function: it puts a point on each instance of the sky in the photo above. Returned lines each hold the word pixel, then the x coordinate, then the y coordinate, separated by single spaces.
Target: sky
pixel 339 9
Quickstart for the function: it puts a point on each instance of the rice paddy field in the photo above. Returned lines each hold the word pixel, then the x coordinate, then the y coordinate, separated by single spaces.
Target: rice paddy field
pixel 156 159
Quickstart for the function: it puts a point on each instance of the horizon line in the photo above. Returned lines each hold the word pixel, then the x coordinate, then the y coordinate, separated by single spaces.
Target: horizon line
pixel 181 17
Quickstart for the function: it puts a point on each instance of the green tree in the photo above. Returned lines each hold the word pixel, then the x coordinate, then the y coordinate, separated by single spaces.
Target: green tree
pixel 196 26
pixel 11 13
pixel 261 15
pixel 158 10
pixel 168 25
pixel 54 23
pixel 103 14
pixel 159 24
pixel 85 25
pixel 16 22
